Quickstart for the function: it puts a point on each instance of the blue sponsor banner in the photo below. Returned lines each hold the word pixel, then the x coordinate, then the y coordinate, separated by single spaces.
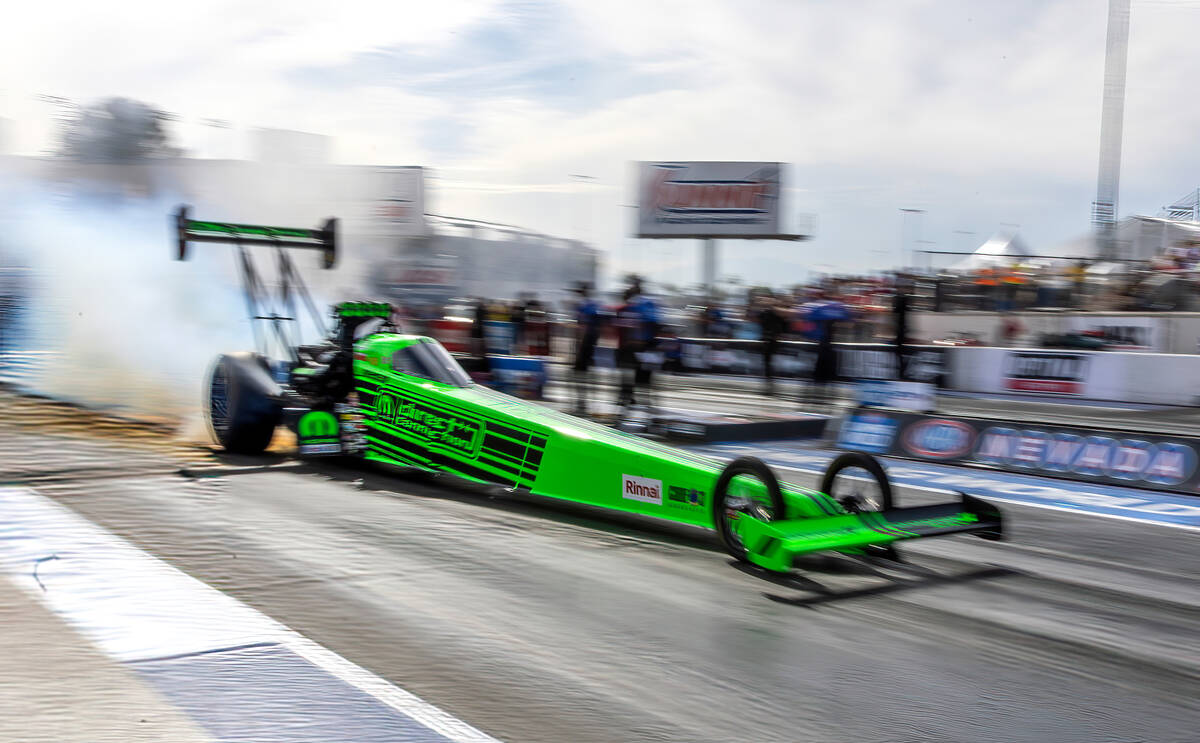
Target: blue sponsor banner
pixel 873 432
pixel 1023 487
pixel 1090 455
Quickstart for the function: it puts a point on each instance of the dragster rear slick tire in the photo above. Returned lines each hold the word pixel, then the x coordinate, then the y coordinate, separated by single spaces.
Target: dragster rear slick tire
pixel 743 466
pixel 241 403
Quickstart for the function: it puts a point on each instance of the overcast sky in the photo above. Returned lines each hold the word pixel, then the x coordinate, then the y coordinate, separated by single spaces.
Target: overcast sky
pixel 981 112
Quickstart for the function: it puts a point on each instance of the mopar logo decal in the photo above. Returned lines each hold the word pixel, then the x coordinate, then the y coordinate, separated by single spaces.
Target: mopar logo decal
pixel 642 489
pixel 317 424
pixel 385 406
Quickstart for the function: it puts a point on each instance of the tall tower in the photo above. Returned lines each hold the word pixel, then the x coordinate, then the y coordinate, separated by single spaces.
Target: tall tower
pixel 1108 182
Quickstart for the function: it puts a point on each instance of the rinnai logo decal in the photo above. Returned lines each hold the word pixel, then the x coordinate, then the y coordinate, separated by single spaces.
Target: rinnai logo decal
pixel 642 489
pixel 1046 372
pixel 1161 463
pixel 939 439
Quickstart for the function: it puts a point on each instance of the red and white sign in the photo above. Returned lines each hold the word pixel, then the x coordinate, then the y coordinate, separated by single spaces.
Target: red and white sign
pixel 642 489
pixel 1054 373
pixel 708 199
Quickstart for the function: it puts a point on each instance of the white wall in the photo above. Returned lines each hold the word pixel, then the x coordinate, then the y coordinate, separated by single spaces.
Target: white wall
pixel 1167 379
pixel 1170 332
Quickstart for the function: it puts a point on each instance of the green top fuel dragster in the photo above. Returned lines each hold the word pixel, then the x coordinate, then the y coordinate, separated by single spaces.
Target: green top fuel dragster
pixel 379 395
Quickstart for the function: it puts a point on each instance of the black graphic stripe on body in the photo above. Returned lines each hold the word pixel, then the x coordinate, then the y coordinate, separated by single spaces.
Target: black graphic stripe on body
pixel 442 461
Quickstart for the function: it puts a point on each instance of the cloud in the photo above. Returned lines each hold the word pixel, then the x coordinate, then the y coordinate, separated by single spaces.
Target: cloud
pixel 980 113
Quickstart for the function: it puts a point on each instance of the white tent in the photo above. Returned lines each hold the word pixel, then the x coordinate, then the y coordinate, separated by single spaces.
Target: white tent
pixel 1002 249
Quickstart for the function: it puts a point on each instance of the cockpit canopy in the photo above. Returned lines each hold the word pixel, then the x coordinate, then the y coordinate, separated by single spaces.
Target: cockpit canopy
pixel 427 359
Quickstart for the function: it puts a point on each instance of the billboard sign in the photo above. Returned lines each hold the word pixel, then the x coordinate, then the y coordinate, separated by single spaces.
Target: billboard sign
pixel 1123 333
pixel 397 201
pixel 708 199
pixel 1056 373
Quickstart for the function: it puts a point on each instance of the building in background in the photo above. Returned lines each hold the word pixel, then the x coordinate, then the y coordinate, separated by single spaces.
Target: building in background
pixel 389 248
pixel 284 146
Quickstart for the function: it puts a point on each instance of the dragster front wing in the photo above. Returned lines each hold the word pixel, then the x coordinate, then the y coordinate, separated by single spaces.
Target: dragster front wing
pixel 774 544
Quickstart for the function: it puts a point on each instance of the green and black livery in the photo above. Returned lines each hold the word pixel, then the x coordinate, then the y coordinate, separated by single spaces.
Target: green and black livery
pixel 376 394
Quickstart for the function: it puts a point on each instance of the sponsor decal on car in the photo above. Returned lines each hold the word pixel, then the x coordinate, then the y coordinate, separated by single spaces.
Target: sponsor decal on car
pixel 1058 373
pixel 938 438
pixel 317 432
pixel 428 423
pixel 686 497
pixel 642 489
pixel 320 448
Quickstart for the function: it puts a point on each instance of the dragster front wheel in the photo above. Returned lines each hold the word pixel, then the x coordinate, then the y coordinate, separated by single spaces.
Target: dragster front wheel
pixel 747 488
pixel 857 481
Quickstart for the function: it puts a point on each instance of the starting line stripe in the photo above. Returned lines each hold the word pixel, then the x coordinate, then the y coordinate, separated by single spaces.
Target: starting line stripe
pixel 1144 506
pixel 141 611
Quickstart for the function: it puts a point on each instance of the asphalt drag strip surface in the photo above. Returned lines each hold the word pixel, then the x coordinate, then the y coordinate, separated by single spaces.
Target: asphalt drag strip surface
pixel 538 621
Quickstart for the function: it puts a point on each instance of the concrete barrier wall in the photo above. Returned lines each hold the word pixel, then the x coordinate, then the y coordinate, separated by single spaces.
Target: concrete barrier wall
pixel 1166 332
pixel 1166 379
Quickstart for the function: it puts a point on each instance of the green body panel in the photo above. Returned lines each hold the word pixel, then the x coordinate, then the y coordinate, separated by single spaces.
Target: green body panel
pixel 487 436
pixel 483 435
pixel 772 545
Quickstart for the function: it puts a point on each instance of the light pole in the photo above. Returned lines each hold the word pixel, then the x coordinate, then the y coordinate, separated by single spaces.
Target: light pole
pixel 907 212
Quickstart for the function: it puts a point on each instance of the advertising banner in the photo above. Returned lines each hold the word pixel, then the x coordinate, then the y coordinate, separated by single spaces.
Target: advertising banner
pixel 1046 371
pixel 795 359
pixel 1123 333
pixel 914 397
pixel 397 206
pixel 708 199
pixel 1086 454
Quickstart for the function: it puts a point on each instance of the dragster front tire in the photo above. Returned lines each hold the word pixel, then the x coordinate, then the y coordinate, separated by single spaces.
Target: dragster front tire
pixel 863 461
pixel 758 469
pixel 241 403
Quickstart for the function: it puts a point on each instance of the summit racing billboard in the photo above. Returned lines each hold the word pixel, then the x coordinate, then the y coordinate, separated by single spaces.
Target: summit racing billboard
pixel 1091 455
pixel 708 199
pixel 1036 371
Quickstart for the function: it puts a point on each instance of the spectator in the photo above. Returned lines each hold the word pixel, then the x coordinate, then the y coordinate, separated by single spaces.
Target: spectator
pixel 478 339
pixel 819 315
pixel 587 334
pixel 637 328
pixel 771 326
pixel 517 316
pixel 1078 273
pixel 900 310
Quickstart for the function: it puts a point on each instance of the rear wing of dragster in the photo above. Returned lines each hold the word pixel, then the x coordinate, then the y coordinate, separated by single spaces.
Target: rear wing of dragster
pixel 195 231
pixel 275 307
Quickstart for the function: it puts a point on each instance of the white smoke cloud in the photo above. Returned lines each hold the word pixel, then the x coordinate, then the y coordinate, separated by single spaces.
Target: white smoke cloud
pixel 115 320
